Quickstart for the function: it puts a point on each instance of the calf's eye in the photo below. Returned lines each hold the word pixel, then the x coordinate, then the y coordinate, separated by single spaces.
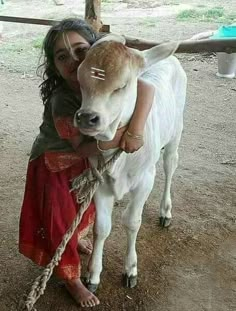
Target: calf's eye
pixel 120 88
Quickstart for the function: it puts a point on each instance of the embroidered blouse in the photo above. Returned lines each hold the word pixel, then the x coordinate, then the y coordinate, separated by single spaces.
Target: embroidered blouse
pixel 57 129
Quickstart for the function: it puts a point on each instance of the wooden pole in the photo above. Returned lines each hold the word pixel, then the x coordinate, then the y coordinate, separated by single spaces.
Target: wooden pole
pixel 209 45
pixel 36 21
pixel 93 14
pixel 24 20
pixel 188 46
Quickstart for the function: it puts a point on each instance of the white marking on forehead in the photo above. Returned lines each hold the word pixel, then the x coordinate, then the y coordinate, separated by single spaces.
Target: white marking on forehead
pixel 97 73
pixel 94 68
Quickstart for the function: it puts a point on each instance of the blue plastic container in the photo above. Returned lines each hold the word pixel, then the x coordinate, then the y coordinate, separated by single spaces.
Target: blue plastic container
pixel 225 32
pixel 226 62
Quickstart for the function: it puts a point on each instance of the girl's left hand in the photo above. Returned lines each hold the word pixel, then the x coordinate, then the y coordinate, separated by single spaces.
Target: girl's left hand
pixel 130 144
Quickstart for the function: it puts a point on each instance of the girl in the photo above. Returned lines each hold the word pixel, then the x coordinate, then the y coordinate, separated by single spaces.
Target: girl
pixel 58 155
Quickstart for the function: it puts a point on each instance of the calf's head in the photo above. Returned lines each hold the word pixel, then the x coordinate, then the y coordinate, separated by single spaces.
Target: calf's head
pixel 108 80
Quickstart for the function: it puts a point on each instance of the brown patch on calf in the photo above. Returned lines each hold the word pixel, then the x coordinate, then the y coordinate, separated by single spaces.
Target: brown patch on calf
pixel 116 60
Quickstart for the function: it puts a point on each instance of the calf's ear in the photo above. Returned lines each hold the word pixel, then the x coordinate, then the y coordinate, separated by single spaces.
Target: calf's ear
pixel 159 52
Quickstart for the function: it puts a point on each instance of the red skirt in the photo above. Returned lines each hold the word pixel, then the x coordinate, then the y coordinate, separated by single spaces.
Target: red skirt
pixel 47 212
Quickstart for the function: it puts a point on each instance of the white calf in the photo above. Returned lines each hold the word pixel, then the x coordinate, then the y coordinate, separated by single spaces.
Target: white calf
pixel 108 103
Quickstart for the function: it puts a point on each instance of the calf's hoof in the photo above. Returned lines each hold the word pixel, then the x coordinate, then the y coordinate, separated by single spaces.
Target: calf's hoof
pixel 129 281
pixel 91 287
pixel 164 222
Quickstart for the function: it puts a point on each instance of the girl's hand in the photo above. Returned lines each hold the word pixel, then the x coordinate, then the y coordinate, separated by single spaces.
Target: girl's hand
pixel 91 148
pixel 130 142
pixel 115 142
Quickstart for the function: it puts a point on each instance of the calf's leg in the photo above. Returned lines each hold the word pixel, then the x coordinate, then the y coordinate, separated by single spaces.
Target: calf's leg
pixel 104 205
pixel 132 221
pixel 170 161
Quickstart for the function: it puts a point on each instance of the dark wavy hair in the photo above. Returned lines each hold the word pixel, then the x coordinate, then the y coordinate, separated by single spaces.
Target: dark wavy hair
pixel 47 68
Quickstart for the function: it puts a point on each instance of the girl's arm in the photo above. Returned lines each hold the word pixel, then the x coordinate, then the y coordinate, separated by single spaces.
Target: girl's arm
pixel 132 140
pixel 91 148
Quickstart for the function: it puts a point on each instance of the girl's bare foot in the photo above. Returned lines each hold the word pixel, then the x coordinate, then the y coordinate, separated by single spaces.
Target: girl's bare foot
pixel 81 294
pixel 85 246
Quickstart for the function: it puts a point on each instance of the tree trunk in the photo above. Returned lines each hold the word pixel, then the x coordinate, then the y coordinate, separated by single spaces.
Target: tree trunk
pixel 93 14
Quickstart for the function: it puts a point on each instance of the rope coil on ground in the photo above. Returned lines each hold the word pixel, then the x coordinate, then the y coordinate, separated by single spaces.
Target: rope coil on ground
pixel 87 183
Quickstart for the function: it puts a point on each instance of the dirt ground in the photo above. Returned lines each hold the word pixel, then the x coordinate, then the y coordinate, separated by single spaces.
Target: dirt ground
pixel 189 267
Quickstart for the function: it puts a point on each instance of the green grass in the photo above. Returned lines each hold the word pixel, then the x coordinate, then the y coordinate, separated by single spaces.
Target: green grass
pixel 21 54
pixel 25 45
pixel 171 2
pixel 150 21
pixel 200 5
pixel 38 42
pixel 215 14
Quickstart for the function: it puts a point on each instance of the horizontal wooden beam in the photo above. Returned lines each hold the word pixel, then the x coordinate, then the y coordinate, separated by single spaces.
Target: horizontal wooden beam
pixel 24 20
pixel 208 45
pixel 36 21
pixel 189 46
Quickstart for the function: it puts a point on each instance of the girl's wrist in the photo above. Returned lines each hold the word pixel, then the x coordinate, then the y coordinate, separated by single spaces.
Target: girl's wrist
pixel 135 131
pixel 134 136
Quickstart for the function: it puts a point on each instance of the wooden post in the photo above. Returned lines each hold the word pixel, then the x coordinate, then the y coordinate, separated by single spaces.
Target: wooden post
pixel 93 14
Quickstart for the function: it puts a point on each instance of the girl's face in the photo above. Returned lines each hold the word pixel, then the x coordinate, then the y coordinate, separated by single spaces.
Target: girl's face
pixel 69 52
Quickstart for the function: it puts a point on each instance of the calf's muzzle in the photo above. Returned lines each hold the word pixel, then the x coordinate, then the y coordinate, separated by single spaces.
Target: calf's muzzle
pixel 87 119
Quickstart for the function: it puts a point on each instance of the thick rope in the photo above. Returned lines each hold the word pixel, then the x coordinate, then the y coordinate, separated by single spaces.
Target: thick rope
pixel 87 183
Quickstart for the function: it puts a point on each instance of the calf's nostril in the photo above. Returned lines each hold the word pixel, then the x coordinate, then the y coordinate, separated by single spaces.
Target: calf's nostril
pixel 78 117
pixel 94 120
pixel 84 119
